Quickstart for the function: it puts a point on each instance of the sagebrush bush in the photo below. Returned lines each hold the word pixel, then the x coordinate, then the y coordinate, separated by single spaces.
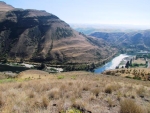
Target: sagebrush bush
pixel 140 91
pixel 1 101
pixel 111 87
pixel 85 88
pixel 45 102
pixel 31 94
pixel 54 94
pixel 129 106
pixel 95 91
pixel 110 102
pixel 108 90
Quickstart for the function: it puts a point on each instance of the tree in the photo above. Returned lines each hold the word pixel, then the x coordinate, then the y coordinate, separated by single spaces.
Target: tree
pixel 42 66
pixel 131 62
pixel 117 67
pixel 127 64
pixel 88 68
pixel 21 60
pixel 136 57
pixel 5 60
pixel 92 67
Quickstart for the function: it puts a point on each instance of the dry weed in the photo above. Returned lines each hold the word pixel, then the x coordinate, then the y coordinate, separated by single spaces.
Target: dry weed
pixel 141 92
pixel 111 87
pixel 129 106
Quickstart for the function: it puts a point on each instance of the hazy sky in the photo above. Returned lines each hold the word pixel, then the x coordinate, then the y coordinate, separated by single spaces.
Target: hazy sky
pixel 135 12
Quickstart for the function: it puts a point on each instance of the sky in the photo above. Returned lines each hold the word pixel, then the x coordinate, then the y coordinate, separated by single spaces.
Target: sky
pixel 121 12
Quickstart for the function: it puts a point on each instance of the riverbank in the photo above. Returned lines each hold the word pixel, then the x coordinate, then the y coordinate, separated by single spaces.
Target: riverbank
pixel 124 61
pixel 12 68
pixel 19 67
pixel 112 64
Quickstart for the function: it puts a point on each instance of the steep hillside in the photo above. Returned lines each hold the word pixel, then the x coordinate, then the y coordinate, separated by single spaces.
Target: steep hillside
pixel 139 40
pixel 5 7
pixel 40 36
pixel 109 37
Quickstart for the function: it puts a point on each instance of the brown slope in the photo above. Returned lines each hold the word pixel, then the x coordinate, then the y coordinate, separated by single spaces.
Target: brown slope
pixel 5 7
pixel 40 36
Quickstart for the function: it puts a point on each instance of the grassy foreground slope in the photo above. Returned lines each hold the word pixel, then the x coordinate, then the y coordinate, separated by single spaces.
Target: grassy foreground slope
pixel 74 92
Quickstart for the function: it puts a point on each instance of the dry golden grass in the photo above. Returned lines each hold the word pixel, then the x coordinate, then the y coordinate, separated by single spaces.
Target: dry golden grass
pixel 129 106
pixel 111 87
pixel 77 91
pixel 139 61
pixel 34 74
pixel 136 73
pixel 2 76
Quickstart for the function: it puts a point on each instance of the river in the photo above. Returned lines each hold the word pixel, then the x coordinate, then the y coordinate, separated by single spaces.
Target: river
pixel 4 67
pixel 111 65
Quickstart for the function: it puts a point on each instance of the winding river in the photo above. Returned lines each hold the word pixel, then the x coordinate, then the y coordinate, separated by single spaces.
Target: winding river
pixel 112 64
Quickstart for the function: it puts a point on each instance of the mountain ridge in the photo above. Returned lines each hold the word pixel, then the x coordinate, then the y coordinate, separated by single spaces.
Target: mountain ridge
pixel 5 7
pixel 35 35
pixel 138 40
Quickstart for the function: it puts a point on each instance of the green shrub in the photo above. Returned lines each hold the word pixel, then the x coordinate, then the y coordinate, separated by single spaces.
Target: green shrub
pixel 137 78
pixel 60 77
pixel 128 77
pixel 73 77
pixel 73 111
pixel 7 80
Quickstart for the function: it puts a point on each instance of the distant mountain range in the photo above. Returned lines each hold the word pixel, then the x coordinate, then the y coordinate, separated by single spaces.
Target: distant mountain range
pixel 36 35
pixel 91 28
pixel 135 41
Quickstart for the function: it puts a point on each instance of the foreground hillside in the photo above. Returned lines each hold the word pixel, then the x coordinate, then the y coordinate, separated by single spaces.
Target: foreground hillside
pixel 36 35
pixel 73 92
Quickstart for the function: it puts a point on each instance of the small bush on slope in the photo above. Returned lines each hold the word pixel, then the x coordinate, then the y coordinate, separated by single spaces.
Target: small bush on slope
pixel 129 106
